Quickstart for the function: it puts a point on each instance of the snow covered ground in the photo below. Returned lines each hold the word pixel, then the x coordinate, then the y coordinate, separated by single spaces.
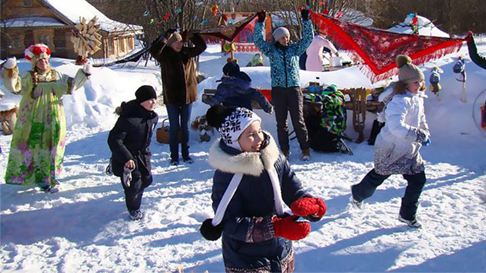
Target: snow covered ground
pixel 85 227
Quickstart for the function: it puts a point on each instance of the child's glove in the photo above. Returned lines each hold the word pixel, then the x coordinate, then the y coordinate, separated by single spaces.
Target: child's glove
pixel 127 177
pixel 422 135
pixel 427 142
pixel 311 208
pixel 290 229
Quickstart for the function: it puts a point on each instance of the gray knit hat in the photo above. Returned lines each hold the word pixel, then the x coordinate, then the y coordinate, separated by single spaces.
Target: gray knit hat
pixel 280 32
pixel 408 72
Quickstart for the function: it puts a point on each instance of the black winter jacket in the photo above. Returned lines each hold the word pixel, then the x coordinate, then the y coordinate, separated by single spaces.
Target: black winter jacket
pixel 248 238
pixel 131 136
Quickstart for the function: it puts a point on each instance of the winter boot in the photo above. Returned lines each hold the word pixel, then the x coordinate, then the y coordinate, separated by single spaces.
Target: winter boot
pixel 343 148
pixel 306 155
pixel 411 223
pixel 135 214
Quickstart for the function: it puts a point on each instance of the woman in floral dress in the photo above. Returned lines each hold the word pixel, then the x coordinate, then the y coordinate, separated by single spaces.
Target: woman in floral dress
pixel 38 142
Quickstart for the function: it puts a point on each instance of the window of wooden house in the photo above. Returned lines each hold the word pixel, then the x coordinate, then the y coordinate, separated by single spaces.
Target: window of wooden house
pixel 28 3
pixel 111 47
pixel 45 37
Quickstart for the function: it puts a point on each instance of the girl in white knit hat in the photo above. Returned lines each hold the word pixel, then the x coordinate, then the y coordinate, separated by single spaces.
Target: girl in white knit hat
pixel 398 144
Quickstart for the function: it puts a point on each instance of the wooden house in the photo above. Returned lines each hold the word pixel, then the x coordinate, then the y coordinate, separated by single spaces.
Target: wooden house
pixel 26 22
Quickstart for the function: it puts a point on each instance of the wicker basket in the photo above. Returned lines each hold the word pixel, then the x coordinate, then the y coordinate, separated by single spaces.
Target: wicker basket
pixel 163 134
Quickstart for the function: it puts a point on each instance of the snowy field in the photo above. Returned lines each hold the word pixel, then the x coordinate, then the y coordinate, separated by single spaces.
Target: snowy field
pixel 85 227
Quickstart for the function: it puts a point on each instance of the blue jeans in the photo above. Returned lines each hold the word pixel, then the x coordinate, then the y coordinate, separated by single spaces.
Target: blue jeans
pixel 179 112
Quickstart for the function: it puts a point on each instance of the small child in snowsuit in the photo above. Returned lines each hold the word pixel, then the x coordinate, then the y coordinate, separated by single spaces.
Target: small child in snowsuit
pixel 398 144
pixel 250 193
pixel 129 143
pixel 326 129
pixel 235 90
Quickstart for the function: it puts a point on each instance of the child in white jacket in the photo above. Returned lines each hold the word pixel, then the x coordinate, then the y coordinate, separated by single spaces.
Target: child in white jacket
pixel 398 144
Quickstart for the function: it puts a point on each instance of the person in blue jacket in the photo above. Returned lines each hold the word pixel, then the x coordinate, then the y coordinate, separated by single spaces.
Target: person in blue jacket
pixel 256 231
pixel 284 68
pixel 235 90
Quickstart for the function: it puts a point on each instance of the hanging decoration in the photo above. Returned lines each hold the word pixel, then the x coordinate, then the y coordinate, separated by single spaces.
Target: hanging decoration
pixel 214 10
pixel 230 48
pixel 152 21
pixel 339 15
pixel 203 22
pixel 86 38
pixel 378 48
pixel 146 13
pixel 167 16
pixel 178 11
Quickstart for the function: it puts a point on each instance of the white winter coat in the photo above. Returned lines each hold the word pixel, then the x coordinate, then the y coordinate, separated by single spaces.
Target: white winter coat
pixel 396 147
pixel 315 57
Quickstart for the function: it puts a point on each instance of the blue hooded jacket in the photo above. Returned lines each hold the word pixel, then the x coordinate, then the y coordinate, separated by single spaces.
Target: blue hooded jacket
pixel 284 60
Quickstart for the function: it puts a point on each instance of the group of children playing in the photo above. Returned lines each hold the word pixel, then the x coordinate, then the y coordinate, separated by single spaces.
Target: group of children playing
pixel 257 199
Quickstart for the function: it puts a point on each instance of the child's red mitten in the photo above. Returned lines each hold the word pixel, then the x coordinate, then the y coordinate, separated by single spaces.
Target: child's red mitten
pixel 290 229
pixel 311 208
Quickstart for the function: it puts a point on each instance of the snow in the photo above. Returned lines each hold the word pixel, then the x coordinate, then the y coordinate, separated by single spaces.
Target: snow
pixel 426 27
pixel 33 22
pixel 74 9
pixel 85 227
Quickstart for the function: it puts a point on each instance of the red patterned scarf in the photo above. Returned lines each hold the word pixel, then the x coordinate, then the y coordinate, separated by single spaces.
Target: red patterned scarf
pixel 377 48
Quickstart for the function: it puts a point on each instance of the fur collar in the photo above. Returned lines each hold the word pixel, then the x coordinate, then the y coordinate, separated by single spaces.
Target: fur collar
pixel 250 163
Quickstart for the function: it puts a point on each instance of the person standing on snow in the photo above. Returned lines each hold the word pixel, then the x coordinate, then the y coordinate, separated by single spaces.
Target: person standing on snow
pixel 315 54
pixel 179 79
pixel 38 142
pixel 286 93
pixel 129 142
pixel 235 90
pixel 398 144
pixel 256 230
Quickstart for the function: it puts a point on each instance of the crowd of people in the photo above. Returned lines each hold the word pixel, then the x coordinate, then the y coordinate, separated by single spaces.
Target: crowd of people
pixel 258 201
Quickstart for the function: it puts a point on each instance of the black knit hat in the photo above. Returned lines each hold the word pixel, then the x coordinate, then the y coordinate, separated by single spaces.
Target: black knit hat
pixel 144 93
pixel 231 68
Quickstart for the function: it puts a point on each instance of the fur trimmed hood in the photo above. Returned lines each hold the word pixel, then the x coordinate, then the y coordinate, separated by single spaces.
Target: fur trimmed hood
pixel 249 163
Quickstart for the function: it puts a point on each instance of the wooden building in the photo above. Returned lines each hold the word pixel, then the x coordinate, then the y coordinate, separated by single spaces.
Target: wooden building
pixel 26 22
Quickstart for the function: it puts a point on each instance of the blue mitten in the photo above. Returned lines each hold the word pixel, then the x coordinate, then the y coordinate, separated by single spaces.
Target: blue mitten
pixel 427 142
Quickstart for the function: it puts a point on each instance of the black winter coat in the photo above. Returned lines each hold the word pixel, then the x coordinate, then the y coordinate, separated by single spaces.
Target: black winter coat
pixel 131 136
pixel 248 238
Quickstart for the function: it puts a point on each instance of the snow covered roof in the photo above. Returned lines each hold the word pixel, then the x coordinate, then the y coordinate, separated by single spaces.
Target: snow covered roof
pixel 74 9
pixel 426 27
pixel 34 22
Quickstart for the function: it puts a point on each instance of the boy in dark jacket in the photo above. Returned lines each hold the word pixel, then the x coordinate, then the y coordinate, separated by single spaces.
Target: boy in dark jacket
pixel 256 230
pixel 129 143
pixel 235 90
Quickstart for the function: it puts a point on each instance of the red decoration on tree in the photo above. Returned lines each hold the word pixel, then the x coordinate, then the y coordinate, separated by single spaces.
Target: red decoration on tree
pixel 167 16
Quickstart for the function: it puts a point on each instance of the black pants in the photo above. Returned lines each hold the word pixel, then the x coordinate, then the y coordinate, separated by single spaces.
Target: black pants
pixel 375 130
pixel 409 206
pixel 134 193
pixel 289 100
